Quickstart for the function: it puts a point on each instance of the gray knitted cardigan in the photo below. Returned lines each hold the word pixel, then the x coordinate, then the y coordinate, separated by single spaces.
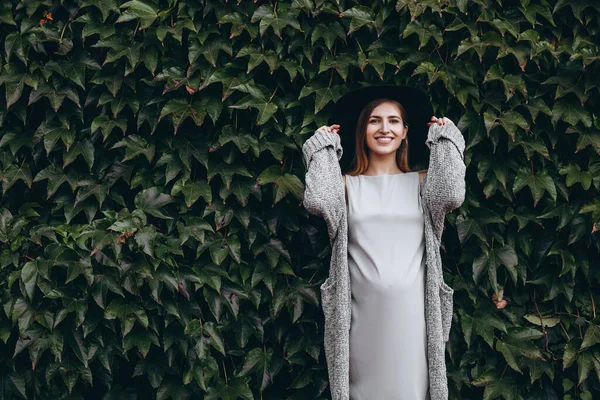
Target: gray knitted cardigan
pixel 442 190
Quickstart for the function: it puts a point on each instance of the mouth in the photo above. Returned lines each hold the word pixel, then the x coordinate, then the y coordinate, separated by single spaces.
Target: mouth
pixel 384 140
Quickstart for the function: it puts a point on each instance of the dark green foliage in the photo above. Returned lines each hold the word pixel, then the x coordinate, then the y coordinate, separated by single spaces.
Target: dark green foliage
pixel 152 239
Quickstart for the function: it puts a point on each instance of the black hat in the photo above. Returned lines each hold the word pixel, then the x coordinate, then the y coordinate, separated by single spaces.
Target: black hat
pixel 418 109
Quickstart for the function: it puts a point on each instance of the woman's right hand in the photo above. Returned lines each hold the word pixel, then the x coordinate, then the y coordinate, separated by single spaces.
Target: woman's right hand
pixel 335 128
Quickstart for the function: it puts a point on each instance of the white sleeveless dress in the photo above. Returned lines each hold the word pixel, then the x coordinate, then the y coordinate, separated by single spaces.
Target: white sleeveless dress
pixel 386 246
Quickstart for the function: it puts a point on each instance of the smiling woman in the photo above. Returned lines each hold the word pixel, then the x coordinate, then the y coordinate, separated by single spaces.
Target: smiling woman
pixel 385 281
pixel 382 128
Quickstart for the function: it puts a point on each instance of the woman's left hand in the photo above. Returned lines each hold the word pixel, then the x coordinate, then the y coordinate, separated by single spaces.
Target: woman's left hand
pixel 440 121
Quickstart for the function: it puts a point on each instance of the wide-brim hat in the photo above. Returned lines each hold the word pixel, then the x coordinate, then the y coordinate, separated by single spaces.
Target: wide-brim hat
pixel 418 109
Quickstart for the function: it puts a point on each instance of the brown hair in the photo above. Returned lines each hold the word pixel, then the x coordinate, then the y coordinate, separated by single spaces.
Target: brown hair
pixel 360 163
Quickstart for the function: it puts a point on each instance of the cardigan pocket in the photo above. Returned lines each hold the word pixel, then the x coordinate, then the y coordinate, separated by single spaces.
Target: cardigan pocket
pixel 327 290
pixel 446 304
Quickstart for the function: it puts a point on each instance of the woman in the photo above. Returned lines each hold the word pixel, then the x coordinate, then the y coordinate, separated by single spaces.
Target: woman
pixel 387 309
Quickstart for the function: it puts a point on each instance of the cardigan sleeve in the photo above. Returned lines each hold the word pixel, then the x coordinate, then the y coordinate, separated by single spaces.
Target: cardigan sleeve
pixel 444 183
pixel 324 189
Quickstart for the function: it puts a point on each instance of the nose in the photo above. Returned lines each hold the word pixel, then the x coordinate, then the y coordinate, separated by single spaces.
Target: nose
pixel 385 126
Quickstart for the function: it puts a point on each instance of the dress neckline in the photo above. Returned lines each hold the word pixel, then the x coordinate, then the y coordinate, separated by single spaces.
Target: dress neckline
pixel 376 176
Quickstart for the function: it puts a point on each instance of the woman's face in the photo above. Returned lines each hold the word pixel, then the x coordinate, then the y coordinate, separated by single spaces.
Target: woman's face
pixel 385 129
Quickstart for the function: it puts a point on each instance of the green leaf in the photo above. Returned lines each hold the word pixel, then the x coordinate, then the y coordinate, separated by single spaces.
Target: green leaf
pixel 329 33
pixel 424 32
pixel 150 59
pixel 230 390
pixel 192 191
pixel 18 384
pixel 180 110
pixel 586 138
pixel 585 364
pixel 482 323
pixel 323 95
pixel 577 7
pixel 5 331
pixel 6 14
pixel 242 141
pixel 278 20
pixel 106 125
pixel 592 336
pixel 360 16
pixel 341 63
pixel 146 239
pixel 538 183
pixel 146 11
pixel 240 23
pixel 134 146
pixel 55 93
pixel 259 361
pixel 52 131
pixel 570 112
pixel 216 339
pixel 94 26
pixel 172 389
pixel 29 276
pixel 122 309
pixel 547 322
pixel 574 175
pixel 102 284
pixel 84 148
pixel 537 368
pixel 258 56
pixel 468 227
pixel 14 173
pixel 259 99
pixel 511 83
pixel 211 49
pixel 151 201
pixel 227 171
pixel 497 256
pixel 56 176
pixel 105 6
pixel 74 69
pixel 570 353
pixel 132 53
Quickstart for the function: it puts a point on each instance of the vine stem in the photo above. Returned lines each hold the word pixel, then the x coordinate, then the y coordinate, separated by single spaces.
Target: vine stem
pixel 135 31
pixel 565 331
pixel 359 46
pixel 275 91
pixel 501 376
pixel 62 33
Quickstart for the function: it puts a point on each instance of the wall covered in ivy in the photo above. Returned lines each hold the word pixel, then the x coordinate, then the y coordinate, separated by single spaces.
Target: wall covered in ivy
pixel 153 243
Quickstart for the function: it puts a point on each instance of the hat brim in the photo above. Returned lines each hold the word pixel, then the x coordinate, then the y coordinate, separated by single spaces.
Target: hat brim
pixel 418 109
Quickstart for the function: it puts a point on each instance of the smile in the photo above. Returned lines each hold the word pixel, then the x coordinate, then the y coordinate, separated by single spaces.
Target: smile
pixel 384 140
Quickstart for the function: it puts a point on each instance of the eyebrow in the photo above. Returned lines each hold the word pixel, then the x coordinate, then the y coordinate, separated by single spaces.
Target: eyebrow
pixel 390 116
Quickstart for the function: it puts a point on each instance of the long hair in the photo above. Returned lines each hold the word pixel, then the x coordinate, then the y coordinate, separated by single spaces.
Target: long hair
pixel 360 163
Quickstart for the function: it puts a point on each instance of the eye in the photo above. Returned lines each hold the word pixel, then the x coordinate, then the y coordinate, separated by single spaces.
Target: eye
pixel 373 120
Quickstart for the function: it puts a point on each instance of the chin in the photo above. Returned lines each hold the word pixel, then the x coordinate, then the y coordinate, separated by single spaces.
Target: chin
pixel 383 151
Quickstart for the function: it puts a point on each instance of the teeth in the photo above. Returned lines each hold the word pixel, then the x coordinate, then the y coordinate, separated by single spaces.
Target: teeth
pixel 384 140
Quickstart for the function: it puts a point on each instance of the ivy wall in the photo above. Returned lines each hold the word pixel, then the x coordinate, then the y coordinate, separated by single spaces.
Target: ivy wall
pixel 153 244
